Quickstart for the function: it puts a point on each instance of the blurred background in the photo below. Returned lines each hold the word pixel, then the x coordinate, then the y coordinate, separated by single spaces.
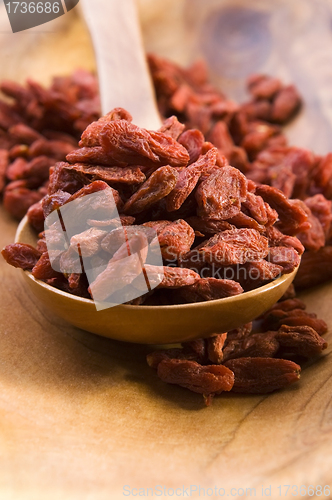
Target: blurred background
pixel 291 39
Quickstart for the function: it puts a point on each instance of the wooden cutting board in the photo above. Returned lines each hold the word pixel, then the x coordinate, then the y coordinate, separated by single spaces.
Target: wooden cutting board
pixel 84 417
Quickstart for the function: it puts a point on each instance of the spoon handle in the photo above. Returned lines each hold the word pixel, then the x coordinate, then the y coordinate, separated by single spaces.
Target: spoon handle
pixel 124 79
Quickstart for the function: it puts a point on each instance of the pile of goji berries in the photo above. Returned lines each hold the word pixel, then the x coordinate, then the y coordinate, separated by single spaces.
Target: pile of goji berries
pixel 250 136
pixel 217 231
pixel 39 127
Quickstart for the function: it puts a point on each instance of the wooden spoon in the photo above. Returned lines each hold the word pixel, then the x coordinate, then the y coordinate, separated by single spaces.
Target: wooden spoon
pixel 124 79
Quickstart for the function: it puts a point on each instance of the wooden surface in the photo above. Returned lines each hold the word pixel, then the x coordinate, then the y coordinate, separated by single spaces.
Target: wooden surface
pixel 81 416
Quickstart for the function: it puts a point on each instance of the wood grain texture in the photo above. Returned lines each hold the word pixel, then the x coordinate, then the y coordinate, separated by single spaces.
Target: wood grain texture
pixel 82 416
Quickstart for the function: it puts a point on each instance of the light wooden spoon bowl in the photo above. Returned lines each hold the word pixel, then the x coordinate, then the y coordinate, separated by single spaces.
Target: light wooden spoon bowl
pixel 154 324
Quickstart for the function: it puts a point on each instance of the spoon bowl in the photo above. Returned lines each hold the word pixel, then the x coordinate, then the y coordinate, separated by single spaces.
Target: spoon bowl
pixel 154 324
